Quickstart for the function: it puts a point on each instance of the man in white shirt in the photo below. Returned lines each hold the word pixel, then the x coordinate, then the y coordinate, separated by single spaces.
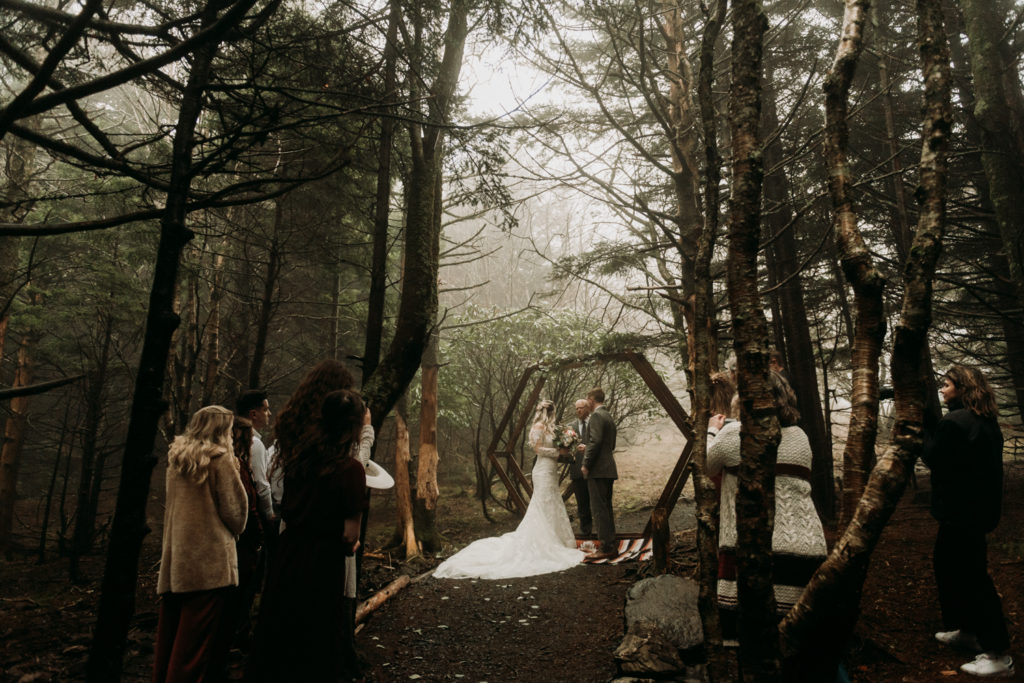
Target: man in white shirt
pixel 253 404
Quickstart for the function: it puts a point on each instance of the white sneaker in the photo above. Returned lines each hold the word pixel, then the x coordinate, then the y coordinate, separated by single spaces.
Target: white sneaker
pixel 989 664
pixel 958 638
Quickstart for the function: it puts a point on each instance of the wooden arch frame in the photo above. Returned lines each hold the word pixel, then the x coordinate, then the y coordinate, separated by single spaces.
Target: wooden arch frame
pixel 674 485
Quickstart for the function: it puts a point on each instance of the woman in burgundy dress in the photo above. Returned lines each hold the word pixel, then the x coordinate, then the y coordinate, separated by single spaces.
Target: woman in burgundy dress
pixel 303 632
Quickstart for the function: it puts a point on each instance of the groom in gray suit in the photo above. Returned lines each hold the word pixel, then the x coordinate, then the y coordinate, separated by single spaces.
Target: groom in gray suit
pixel 600 472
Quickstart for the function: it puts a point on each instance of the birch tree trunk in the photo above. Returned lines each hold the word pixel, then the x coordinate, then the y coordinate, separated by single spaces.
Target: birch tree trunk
pixel 820 624
pixel 704 317
pixel 860 271
pixel 760 433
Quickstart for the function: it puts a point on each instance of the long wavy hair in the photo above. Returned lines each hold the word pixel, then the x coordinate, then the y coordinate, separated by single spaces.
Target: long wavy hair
pixel 328 437
pixel 785 400
pixel 973 390
pixel 545 416
pixel 300 413
pixel 241 438
pixel 207 435
pixel 722 391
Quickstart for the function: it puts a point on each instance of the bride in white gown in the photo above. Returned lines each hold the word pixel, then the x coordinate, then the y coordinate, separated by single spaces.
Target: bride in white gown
pixel 543 542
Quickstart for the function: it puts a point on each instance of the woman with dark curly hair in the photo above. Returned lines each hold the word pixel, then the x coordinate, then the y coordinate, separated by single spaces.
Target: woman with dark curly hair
pixel 965 454
pixel 304 631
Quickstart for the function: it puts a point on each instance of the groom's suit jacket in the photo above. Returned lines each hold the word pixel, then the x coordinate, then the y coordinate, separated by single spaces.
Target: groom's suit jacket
pixel 598 458
pixel 577 456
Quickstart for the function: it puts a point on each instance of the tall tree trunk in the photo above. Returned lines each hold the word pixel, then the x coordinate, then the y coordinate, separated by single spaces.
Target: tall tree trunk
pixel 14 443
pixel 212 332
pixel 417 306
pixel 821 623
pixel 797 348
pixel 860 272
pixel 48 507
pixel 999 111
pixel 703 360
pixel 120 577
pixel 427 492
pixel 406 532
pixel 382 205
pixel 85 514
pixel 760 434
pixel 685 165
pixel 267 304
pixel 1006 300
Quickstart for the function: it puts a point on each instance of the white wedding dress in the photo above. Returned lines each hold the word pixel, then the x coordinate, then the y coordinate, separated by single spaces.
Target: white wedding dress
pixel 542 543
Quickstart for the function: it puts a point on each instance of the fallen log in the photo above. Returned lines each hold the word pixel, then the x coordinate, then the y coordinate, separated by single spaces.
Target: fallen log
pixel 381 596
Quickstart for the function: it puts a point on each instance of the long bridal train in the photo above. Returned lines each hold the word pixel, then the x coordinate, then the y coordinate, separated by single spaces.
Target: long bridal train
pixel 542 543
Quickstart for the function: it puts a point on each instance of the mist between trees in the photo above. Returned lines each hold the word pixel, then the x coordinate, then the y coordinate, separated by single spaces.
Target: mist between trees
pixel 203 198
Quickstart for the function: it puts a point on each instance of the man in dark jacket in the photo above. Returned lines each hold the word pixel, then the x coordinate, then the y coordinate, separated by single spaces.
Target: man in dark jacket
pixel 600 472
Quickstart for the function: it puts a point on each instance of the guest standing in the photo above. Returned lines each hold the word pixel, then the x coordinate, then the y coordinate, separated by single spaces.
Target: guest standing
pixel 206 510
pixel 798 540
pixel 249 546
pixel 965 454
pixel 305 629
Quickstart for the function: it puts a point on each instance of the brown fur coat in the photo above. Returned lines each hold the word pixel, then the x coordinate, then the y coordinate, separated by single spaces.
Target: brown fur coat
pixel 201 522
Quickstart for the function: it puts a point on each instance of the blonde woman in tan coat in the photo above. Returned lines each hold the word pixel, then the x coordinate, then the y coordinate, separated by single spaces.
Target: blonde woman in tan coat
pixel 206 510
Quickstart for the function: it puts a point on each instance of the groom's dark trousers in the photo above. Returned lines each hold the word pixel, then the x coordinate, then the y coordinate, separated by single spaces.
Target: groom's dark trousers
pixel 601 475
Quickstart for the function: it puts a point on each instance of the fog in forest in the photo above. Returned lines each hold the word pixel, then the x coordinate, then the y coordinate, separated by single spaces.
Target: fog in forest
pixel 477 206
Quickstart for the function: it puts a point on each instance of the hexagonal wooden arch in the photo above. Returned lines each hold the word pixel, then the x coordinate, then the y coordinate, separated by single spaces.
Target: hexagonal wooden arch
pixel 674 485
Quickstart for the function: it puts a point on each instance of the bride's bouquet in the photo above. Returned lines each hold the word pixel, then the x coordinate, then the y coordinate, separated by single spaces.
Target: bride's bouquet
pixel 566 437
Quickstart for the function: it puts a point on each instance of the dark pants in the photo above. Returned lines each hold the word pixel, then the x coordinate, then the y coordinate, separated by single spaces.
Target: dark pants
pixel 581 491
pixel 601 509
pixel 967 595
pixel 193 636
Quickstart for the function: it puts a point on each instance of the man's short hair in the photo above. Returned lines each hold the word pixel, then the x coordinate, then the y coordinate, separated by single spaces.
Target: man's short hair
pixel 250 399
pixel 776 357
pixel 597 394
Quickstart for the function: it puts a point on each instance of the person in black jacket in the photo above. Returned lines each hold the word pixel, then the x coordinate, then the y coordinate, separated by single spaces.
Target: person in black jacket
pixel 965 454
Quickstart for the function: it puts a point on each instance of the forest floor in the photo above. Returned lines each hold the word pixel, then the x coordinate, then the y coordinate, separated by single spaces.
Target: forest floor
pixel 556 627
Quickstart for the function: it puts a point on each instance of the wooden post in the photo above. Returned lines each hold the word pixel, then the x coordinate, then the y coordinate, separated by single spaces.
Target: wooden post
pixel 660 539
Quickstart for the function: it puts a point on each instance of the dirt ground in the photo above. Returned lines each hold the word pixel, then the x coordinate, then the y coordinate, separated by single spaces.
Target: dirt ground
pixel 557 627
